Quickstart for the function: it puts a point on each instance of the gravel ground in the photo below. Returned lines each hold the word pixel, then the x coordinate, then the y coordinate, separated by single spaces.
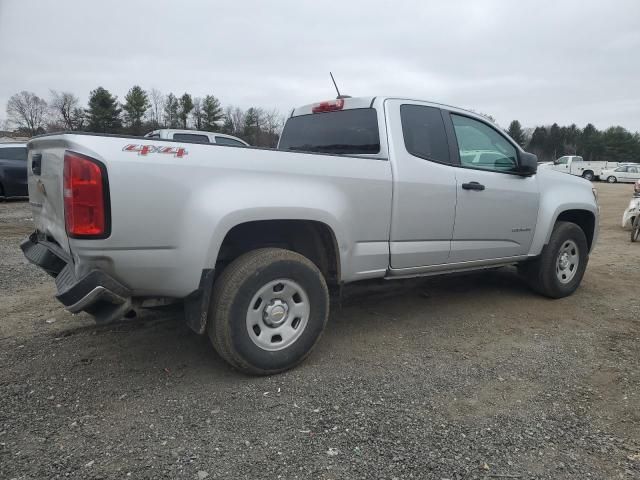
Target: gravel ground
pixel 447 378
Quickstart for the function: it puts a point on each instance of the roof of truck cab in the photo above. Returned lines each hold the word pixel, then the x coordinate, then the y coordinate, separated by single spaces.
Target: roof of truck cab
pixel 369 102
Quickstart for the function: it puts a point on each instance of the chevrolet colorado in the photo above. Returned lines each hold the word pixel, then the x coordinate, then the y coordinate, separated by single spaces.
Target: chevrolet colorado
pixel 252 240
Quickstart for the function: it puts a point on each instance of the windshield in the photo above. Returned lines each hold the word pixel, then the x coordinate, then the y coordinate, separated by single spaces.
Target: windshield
pixel 348 132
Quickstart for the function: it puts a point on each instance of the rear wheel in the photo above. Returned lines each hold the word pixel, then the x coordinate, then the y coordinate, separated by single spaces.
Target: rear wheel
pixel 268 311
pixel 635 229
pixel 588 175
pixel 612 179
pixel 558 271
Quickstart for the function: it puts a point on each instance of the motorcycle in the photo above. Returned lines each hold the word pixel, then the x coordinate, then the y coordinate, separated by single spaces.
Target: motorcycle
pixel 635 213
pixel 635 228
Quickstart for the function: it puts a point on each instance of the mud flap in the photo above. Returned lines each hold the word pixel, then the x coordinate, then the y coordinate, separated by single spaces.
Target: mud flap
pixel 196 305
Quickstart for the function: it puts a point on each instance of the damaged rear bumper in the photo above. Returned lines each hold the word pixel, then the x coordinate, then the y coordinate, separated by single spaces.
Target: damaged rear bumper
pixel 95 293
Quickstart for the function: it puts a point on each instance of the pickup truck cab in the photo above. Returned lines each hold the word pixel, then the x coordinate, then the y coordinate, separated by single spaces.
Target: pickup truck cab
pixel 575 165
pixel 197 136
pixel 252 240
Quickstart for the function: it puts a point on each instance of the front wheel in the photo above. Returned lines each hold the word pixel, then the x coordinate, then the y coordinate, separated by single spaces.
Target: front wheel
pixel 612 179
pixel 558 271
pixel 635 229
pixel 268 311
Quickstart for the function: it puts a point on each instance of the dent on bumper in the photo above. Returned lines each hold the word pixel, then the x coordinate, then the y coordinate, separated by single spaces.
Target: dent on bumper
pixel 96 292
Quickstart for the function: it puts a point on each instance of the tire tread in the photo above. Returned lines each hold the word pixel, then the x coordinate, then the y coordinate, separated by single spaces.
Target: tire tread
pixel 224 292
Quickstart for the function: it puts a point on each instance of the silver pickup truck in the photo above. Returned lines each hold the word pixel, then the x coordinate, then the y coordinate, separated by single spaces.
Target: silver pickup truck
pixel 253 240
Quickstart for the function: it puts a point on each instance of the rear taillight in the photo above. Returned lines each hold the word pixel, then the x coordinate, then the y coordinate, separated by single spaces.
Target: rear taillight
pixel 329 106
pixel 85 197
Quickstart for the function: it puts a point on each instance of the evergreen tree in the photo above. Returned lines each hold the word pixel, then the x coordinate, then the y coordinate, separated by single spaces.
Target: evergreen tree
pixel 554 147
pixel 619 145
pixel 515 131
pixel 186 106
pixel 251 128
pixel 137 103
pixel 537 142
pixel 103 114
pixel 211 113
pixel 590 144
pixel 571 135
pixel 171 107
pixel 227 125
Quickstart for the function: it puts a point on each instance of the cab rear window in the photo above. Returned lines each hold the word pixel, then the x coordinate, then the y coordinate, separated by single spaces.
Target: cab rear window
pixel 347 132
pixel 190 137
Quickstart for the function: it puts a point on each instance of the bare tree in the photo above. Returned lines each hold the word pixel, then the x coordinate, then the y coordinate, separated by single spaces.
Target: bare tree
pixel 63 105
pixel 27 111
pixel 272 123
pixel 157 107
pixel 197 113
pixel 236 114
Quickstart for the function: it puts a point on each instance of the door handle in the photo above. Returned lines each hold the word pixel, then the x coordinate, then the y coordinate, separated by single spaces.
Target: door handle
pixel 473 186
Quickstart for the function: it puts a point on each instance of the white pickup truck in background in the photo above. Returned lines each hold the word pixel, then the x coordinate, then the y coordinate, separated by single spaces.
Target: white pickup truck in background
pixel 197 136
pixel 252 240
pixel 575 165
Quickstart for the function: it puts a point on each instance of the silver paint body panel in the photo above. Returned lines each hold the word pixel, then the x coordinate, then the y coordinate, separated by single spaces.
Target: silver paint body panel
pixel 391 214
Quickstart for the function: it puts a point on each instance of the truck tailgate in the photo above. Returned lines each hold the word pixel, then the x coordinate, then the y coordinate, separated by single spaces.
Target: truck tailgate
pixel 45 180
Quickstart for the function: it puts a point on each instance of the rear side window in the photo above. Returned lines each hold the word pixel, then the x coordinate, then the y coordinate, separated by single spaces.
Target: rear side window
pixel 14 153
pixel 191 137
pixel 423 132
pixel 229 141
pixel 347 132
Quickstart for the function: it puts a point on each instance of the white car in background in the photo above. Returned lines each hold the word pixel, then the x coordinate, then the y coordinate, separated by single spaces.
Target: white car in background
pixel 623 173
pixel 197 136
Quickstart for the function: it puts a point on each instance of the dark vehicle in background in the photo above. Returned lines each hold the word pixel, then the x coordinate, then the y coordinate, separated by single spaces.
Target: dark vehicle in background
pixel 13 170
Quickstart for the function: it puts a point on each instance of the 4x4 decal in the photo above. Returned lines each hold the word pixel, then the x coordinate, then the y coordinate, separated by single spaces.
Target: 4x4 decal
pixel 147 149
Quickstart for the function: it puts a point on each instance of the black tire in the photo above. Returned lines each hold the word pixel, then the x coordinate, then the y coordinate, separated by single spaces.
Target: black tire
pixel 541 274
pixel 612 179
pixel 233 293
pixel 588 175
pixel 635 229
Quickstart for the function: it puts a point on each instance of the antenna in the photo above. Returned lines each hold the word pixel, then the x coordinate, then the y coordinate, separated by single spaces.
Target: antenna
pixel 336 85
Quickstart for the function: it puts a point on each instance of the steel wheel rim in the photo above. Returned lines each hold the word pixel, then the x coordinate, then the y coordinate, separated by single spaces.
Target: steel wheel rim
pixel 278 314
pixel 612 179
pixel 567 261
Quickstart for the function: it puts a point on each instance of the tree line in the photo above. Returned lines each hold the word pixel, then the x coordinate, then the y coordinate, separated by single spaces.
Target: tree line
pixel 141 112
pixel 615 144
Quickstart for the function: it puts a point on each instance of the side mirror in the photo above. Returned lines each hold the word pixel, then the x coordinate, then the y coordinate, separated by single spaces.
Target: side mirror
pixel 528 164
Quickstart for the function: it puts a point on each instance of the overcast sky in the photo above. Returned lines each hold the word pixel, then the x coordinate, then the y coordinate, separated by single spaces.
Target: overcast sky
pixel 540 61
